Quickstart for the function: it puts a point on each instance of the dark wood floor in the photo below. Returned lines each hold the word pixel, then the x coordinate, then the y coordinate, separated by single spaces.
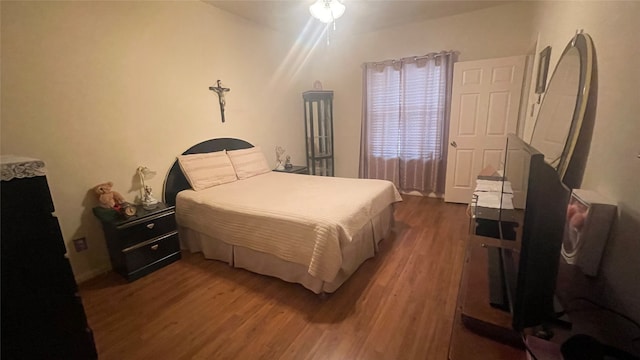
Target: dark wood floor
pixel 398 305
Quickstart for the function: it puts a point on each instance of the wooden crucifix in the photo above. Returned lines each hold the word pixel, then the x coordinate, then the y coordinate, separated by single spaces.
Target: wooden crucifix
pixel 220 91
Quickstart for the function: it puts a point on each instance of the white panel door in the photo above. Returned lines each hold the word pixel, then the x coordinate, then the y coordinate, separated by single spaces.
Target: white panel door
pixel 485 105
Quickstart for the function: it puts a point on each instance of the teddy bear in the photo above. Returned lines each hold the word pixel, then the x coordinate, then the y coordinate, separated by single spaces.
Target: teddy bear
pixel 107 197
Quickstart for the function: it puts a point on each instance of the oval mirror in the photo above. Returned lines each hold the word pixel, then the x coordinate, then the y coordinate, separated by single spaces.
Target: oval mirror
pixel 559 125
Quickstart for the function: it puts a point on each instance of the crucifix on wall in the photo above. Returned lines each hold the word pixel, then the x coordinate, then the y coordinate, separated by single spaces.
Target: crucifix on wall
pixel 220 91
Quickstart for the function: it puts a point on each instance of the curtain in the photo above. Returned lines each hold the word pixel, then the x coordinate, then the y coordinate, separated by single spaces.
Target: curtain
pixel 405 121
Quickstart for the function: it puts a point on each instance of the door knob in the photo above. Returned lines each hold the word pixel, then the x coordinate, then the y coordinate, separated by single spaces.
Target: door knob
pixel 453 143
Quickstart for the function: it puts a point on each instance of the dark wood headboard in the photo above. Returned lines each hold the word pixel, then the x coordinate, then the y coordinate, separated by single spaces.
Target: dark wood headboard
pixel 176 181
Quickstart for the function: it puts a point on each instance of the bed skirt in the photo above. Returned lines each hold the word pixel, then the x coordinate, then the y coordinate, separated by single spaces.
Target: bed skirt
pixel 363 246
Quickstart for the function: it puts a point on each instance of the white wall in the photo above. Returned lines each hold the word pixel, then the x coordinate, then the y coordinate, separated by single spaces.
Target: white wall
pixel 613 168
pixel 493 32
pixel 96 89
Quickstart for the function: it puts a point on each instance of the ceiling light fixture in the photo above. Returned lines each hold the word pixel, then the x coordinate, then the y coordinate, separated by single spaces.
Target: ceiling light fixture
pixel 327 11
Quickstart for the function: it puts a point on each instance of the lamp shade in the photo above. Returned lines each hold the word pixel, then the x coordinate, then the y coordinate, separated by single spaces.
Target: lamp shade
pixel 146 172
pixel 327 10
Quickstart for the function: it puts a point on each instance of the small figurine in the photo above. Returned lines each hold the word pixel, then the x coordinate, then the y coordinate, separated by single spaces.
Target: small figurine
pixel 287 164
pixel 148 201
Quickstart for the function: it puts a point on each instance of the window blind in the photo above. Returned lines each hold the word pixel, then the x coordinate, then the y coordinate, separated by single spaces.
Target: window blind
pixel 406 107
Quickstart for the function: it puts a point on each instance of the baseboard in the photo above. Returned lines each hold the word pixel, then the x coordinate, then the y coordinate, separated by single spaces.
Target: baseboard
pixel 91 274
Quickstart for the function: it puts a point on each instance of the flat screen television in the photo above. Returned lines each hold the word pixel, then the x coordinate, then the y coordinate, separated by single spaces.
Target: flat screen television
pixel 530 275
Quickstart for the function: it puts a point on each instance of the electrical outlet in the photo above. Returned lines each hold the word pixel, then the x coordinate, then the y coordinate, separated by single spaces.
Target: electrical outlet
pixel 80 244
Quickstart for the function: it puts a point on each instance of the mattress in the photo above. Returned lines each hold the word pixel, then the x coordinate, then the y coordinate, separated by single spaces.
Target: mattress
pixel 302 219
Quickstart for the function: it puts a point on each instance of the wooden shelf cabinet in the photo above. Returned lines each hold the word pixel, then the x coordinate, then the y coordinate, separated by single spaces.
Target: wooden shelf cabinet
pixel 318 126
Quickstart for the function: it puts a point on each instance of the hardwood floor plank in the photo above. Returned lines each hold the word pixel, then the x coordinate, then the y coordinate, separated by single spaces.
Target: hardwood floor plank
pixel 398 305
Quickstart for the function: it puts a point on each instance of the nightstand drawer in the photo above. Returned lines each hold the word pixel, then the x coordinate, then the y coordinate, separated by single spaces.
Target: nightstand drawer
pixel 149 252
pixel 144 229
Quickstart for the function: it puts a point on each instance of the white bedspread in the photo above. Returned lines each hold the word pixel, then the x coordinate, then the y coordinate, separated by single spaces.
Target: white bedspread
pixel 298 218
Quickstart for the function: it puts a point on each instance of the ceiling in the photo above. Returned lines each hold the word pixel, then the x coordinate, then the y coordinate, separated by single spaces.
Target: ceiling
pixel 368 15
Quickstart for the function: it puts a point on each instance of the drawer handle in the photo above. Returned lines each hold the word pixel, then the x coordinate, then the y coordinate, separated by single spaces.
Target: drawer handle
pixel 150 226
pixel 154 247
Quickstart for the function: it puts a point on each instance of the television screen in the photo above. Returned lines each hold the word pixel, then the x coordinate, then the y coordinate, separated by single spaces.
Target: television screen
pixel 530 274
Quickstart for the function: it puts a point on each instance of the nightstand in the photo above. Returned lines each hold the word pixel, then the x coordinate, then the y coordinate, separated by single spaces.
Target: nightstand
pixel 144 242
pixel 295 170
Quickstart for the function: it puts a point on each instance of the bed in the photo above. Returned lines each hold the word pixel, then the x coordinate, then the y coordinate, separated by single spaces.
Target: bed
pixel 311 230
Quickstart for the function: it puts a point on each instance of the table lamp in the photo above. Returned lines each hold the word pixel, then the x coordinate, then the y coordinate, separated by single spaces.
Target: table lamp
pixel 148 201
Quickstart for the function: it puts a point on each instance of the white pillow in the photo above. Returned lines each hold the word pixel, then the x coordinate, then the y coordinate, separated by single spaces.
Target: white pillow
pixel 206 170
pixel 249 162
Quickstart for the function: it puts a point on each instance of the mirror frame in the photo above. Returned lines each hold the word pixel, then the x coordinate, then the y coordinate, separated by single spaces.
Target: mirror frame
pixel 584 45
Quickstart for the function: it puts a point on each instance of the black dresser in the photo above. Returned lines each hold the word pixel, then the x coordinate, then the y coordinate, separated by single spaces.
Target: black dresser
pixel 42 312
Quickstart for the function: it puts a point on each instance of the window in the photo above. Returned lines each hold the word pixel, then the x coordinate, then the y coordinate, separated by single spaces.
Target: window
pixel 405 119
pixel 406 112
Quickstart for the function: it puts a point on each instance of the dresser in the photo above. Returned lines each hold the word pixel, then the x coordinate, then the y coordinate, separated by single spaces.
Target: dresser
pixel 144 242
pixel 42 312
